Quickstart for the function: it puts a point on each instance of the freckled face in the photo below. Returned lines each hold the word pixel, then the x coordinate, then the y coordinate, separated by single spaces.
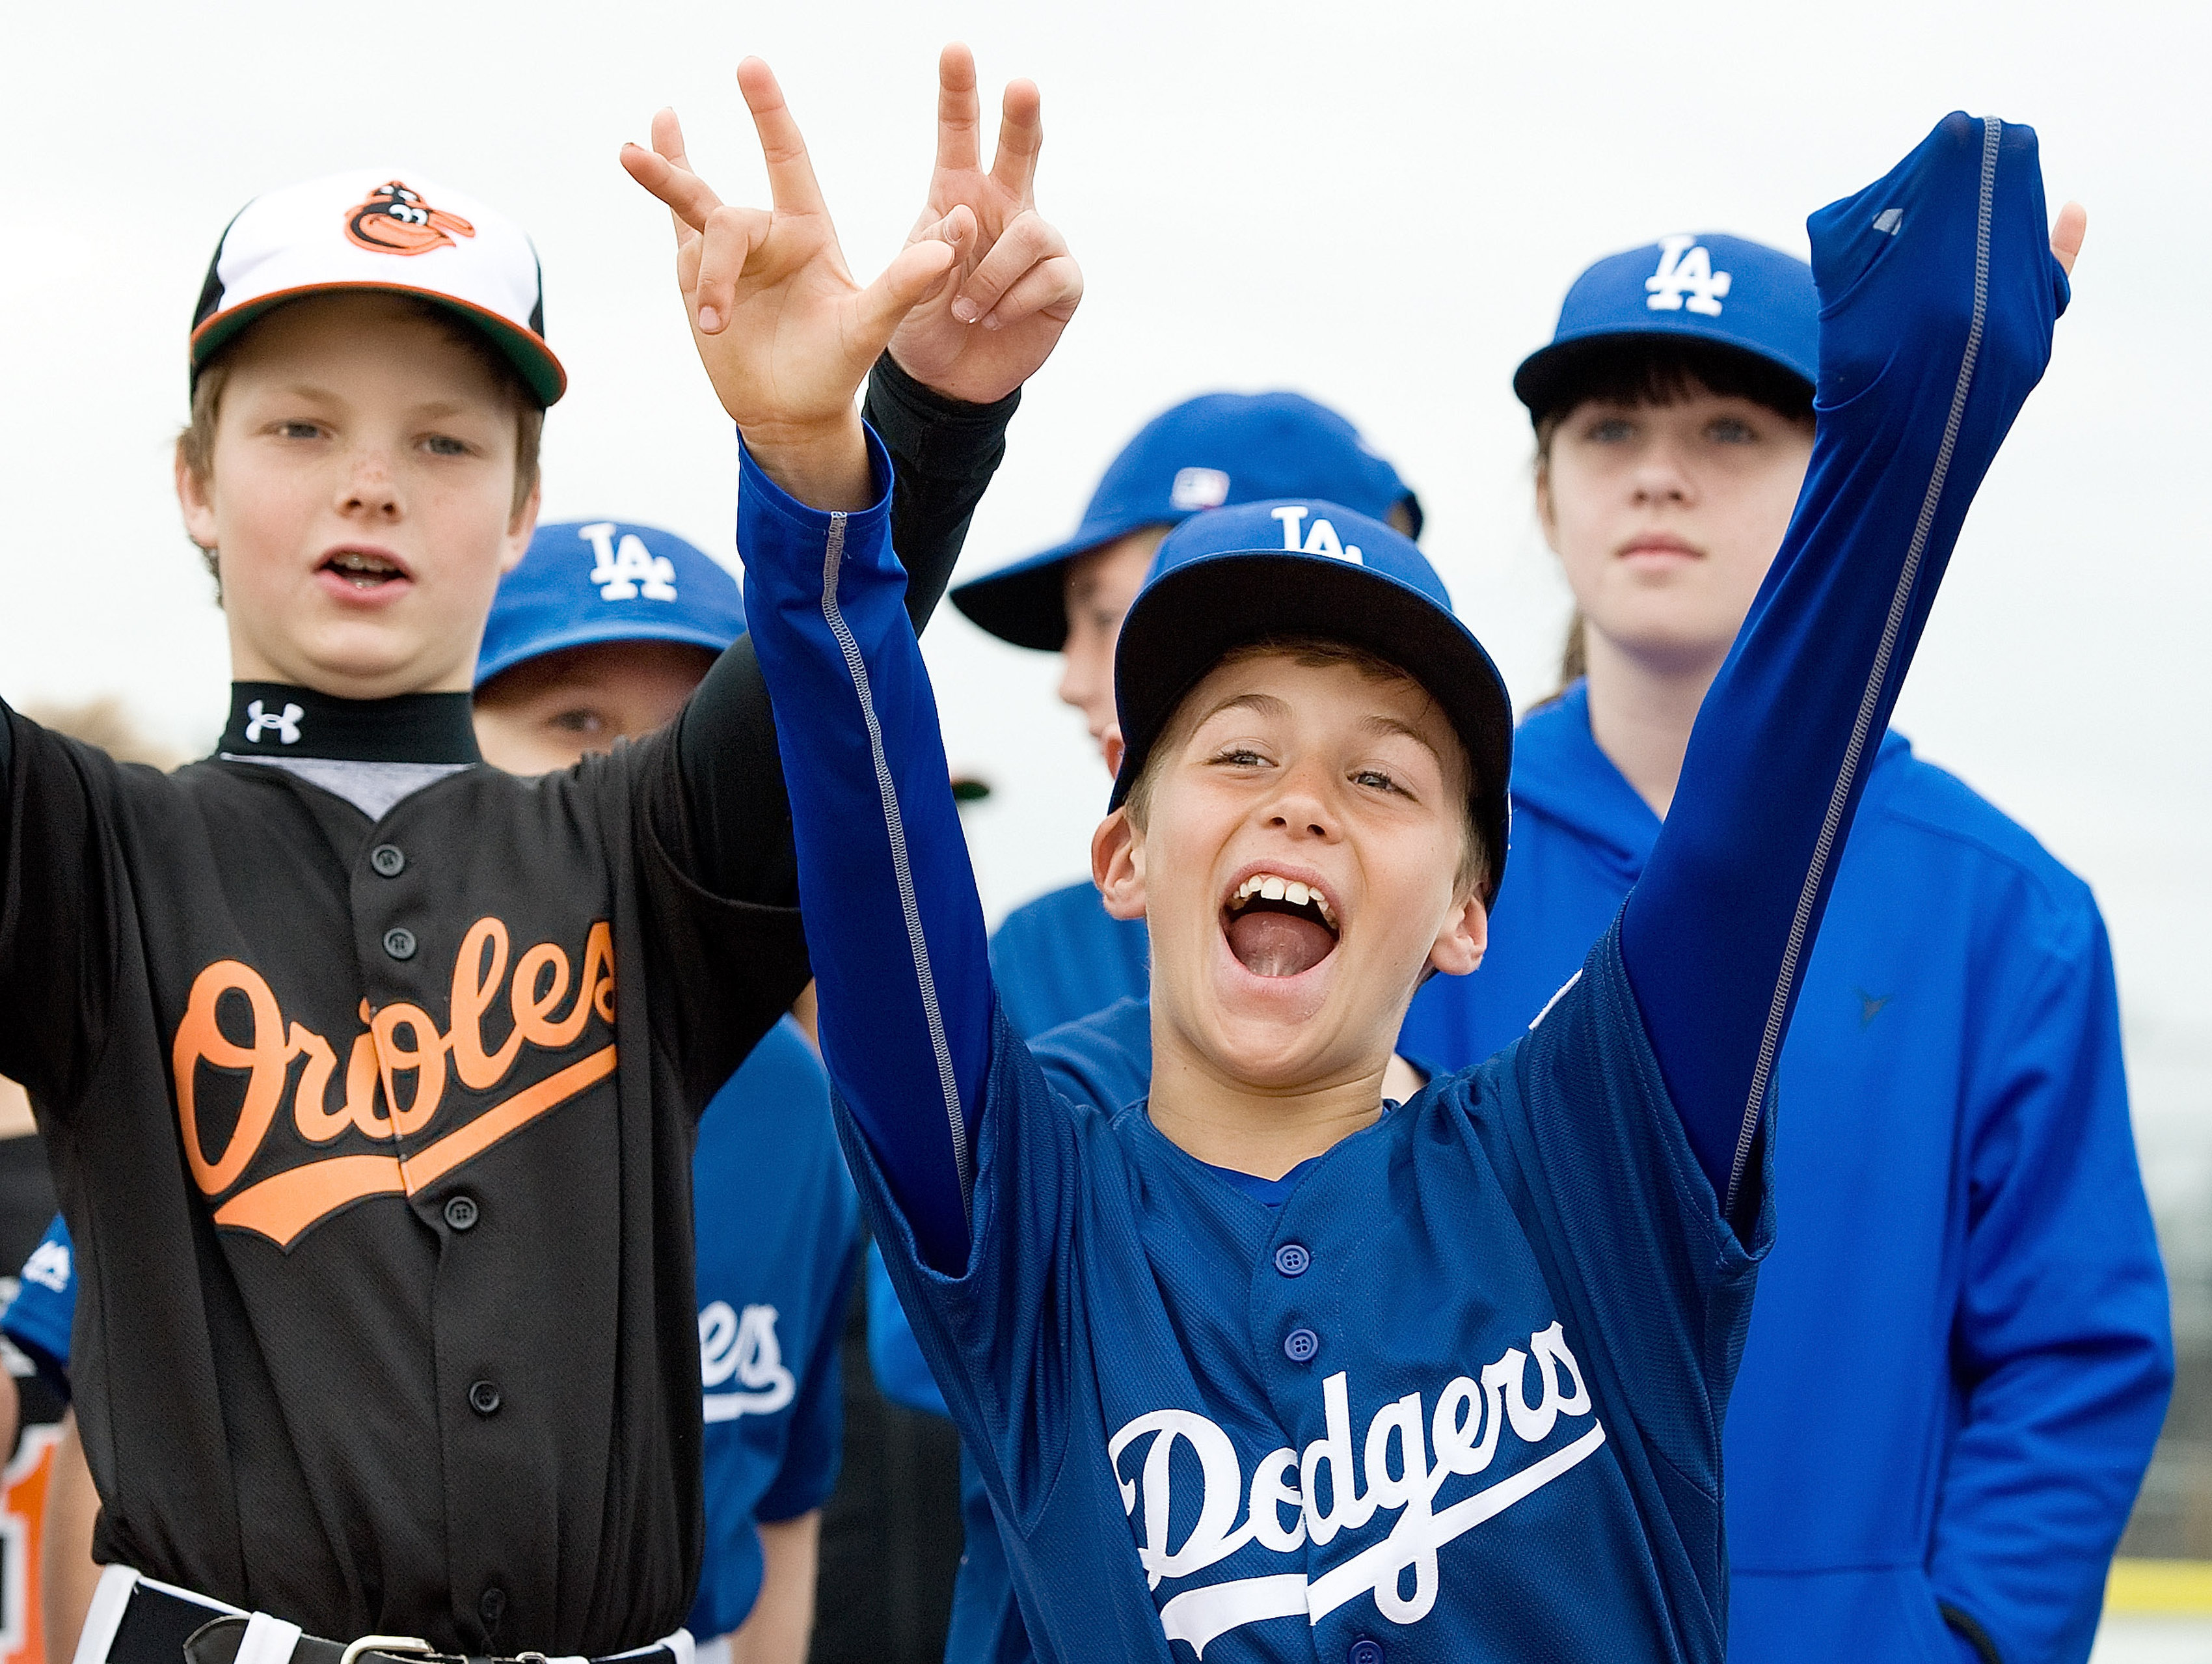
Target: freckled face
pixel 549 712
pixel 1665 518
pixel 361 499
pixel 1285 776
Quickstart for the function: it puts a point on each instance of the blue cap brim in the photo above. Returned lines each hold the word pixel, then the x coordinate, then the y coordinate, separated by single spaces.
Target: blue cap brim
pixel 1536 383
pixel 1026 603
pixel 597 633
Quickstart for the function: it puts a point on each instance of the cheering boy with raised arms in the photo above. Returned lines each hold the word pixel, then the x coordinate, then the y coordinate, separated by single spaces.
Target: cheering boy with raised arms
pixel 1268 1368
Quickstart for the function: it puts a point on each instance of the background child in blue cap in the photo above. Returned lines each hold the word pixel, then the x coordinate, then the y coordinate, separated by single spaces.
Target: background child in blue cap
pixel 1965 1299
pixel 1135 1313
pixel 599 637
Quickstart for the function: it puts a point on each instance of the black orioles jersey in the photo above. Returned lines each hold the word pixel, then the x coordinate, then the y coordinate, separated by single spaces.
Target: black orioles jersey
pixel 376 1135
pixel 368 1076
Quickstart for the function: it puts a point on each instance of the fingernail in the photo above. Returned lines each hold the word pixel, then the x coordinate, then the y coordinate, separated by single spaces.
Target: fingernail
pixel 965 310
pixel 709 320
pixel 991 322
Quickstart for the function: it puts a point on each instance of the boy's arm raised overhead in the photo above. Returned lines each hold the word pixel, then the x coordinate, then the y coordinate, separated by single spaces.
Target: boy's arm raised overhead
pixel 1940 286
pixel 941 398
pixel 893 916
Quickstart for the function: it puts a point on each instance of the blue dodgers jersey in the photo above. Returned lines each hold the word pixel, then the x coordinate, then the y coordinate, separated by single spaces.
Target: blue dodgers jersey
pixel 1064 956
pixel 37 1319
pixel 1965 1297
pixel 1417 1405
pixel 777 1225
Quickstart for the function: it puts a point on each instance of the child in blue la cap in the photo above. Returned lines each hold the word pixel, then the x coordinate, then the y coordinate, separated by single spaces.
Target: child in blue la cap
pixel 1966 1297
pixel 1264 1367
pixel 1059 957
pixel 599 636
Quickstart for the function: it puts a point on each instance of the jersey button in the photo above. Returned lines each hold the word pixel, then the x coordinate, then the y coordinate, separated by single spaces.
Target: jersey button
pixel 389 860
pixel 1363 1651
pixel 1300 1344
pixel 461 1212
pixel 491 1605
pixel 399 942
pixel 483 1398
pixel 1291 1259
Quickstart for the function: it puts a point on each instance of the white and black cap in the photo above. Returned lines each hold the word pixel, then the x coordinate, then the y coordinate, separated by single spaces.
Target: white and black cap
pixel 374 229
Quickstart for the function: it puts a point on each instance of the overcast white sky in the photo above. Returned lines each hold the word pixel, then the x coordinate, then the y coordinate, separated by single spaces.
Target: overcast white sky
pixel 1380 204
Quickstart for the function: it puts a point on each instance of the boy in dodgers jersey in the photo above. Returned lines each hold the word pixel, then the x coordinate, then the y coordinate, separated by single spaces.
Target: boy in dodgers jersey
pixel 1062 955
pixel 1965 1297
pixel 1164 1330
pixel 599 637
pixel 327 1394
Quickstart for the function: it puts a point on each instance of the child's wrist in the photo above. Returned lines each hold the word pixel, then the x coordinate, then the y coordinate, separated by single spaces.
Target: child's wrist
pixel 825 466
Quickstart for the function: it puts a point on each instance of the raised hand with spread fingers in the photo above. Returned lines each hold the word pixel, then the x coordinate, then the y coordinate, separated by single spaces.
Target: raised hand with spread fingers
pixel 786 333
pixel 1015 286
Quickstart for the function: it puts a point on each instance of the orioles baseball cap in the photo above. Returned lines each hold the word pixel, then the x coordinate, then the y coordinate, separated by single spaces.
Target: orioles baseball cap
pixel 1725 291
pixel 375 229
pixel 1207 452
pixel 584 582
pixel 1265 571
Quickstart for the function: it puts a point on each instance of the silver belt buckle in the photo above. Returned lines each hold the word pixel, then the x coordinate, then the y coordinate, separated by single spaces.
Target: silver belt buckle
pixel 384 1644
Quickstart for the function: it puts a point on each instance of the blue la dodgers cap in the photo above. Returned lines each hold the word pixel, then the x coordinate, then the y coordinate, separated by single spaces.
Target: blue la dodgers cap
pixel 584 582
pixel 1264 571
pixel 1205 453
pixel 1726 291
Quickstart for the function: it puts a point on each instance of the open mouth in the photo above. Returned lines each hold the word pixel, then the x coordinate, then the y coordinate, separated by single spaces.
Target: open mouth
pixel 363 568
pixel 1278 926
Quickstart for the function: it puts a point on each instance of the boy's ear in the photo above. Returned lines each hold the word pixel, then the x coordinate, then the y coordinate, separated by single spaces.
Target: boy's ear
pixel 520 529
pixel 1465 937
pixel 1116 748
pixel 1117 865
pixel 196 502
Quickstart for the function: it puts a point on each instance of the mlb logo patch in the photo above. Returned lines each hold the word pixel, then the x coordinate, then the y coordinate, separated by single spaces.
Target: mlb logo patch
pixel 1199 488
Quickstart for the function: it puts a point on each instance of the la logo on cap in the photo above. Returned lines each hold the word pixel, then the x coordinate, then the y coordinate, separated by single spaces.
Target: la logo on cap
pixel 1320 537
pixel 396 221
pixel 627 570
pixel 1686 268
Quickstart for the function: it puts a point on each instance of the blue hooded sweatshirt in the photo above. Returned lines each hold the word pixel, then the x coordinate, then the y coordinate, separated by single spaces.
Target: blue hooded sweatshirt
pixel 1960 1355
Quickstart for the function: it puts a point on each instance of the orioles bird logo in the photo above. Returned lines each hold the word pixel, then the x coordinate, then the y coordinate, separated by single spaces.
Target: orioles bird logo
pixel 395 220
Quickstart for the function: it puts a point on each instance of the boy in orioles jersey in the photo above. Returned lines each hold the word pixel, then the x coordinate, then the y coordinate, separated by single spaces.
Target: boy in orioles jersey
pixel 599 636
pixel 370 1073
pixel 1263 1368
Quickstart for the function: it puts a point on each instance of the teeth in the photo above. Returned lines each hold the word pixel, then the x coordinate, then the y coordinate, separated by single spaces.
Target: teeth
pixel 1271 887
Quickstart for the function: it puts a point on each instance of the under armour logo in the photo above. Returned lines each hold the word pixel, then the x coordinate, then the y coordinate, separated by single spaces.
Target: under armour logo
pixel 1199 488
pixel 1320 537
pixel 627 570
pixel 1686 267
pixel 1870 1006
pixel 287 725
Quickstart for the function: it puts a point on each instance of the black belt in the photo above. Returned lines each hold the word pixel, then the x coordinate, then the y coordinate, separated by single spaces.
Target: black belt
pixel 136 1620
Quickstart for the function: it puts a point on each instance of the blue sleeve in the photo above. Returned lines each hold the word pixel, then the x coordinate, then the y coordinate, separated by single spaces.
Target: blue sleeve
pixel 892 920
pixel 1938 294
pixel 38 1319
pixel 814 1443
pixel 894 1355
pixel 2063 1345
